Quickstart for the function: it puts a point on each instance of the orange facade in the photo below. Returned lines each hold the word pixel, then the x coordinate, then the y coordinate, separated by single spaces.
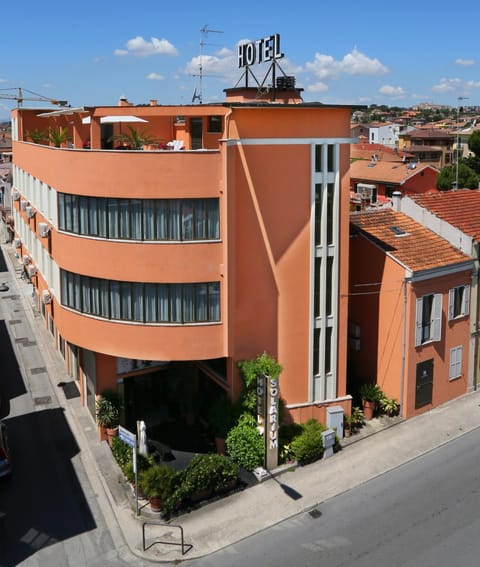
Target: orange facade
pixel 246 277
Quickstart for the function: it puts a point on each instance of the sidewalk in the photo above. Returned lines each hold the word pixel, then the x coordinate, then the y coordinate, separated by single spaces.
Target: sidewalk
pixel 244 513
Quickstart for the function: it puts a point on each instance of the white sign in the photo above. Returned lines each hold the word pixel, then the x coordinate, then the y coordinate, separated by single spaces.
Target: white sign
pixel 259 51
pixel 127 437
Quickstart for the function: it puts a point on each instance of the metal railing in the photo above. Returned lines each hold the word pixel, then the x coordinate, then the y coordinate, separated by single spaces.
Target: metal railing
pixel 185 546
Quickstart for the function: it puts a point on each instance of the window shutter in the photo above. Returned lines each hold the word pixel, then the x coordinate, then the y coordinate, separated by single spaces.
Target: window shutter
pixel 418 322
pixel 455 362
pixel 466 300
pixel 437 317
pixel 451 303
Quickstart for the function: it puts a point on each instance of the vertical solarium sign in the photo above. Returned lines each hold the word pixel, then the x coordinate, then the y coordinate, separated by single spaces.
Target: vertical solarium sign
pixel 267 417
pixel 259 51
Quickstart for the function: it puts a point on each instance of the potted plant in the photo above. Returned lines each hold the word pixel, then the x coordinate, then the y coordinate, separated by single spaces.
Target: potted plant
pixel 156 483
pixel 37 135
pixel 370 394
pixel 134 140
pixel 357 417
pixel 58 136
pixel 347 425
pixel 107 415
pixel 389 406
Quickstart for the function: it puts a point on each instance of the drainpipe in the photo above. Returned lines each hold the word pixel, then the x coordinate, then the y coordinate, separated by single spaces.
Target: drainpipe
pixel 404 343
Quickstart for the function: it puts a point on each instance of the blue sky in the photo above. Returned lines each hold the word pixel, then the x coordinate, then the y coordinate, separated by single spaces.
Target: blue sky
pixel 91 53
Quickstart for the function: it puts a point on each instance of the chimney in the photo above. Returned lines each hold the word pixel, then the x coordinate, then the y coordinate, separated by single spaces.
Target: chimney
pixel 153 102
pixel 124 101
pixel 397 201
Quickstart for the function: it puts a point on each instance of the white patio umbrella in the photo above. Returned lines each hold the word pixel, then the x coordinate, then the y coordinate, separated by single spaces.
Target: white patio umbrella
pixel 115 119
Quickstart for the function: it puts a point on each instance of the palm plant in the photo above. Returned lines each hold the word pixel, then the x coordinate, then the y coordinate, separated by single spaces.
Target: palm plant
pixel 135 139
pixel 58 136
pixel 37 135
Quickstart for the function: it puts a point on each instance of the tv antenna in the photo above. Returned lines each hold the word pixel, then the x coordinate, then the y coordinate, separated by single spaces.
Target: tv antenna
pixel 203 36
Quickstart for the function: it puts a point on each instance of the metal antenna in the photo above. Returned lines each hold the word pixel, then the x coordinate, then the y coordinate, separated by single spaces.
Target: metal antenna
pixel 203 35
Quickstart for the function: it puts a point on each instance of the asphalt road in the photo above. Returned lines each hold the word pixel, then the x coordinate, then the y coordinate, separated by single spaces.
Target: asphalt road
pixel 423 514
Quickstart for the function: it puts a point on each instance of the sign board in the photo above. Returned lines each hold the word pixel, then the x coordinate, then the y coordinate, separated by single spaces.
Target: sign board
pixel 259 51
pixel 267 417
pixel 127 437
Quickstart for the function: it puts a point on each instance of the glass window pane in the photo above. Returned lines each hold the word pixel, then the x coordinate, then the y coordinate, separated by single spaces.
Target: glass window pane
pixel 112 209
pixel 137 292
pixel 162 214
pixel 126 298
pixel 202 303
pixel 150 303
pixel 92 216
pixel 68 212
pixel 136 219
pixel 175 303
pixel 75 214
pixel 163 303
pixel 200 216
pixel 188 303
pixel 115 300
pixel 148 219
pixel 174 218
pixel 95 296
pixel 124 218
pixel 187 219
pixel 61 211
pixel 77 290
pixel 213 219
pixel 83 213
pixel 214 301
pixel 102 217
pixel 105 299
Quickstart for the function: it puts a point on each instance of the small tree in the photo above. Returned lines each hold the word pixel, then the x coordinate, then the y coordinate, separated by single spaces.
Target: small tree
pixel 58 136
pixel 135 139
pixel 245 444
pixel 37 135
pixel 467 178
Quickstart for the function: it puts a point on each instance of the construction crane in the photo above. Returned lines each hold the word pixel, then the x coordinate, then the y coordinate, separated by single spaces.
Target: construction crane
pixel 18 95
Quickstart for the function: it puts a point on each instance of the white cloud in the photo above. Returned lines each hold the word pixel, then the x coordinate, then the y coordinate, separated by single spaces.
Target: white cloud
pixel 317 88
pixel 354 63
pixel 465 62
pixel 392 92
pixel 140 47
pixel 451 85
pixel 155 77
pixel 3 80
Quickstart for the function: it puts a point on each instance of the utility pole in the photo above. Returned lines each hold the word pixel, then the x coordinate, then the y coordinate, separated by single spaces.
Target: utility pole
pixel 458 137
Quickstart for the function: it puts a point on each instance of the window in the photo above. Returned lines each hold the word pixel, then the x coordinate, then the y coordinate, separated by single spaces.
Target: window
pixel 214 123
pixel 458 302
pixel 428 319
pixel 140 219
pixel 455 362
pixel 142 302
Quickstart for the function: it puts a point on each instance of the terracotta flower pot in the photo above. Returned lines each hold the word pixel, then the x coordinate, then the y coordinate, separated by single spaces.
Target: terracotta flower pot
pixel 368 409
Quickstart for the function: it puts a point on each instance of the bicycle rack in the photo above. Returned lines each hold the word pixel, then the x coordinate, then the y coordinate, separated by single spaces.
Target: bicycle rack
pixel 186 547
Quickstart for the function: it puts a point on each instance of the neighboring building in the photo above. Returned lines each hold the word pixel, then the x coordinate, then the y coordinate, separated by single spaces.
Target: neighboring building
pixel 374 181
pixel 157 271
pixel 455 215
pixel 432 146
pixel 409 315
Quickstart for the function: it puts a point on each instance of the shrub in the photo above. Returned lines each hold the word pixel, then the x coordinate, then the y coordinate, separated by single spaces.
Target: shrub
pixel 357 417
pixel 143 462
pixel 389 406
pixel 245 444
pixel 370 392
pixel 286 435
pixel 308 446
pixel 121 452
pixel 157 481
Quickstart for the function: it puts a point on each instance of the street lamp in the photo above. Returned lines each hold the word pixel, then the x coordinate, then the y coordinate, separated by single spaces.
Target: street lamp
pixel 458 137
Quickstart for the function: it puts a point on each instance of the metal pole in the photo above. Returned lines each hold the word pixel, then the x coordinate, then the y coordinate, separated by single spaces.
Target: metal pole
pixel 135 470
pixel 458 137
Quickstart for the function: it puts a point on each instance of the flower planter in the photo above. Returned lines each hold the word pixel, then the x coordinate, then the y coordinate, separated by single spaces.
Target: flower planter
pixel 200 495
pixel 368 409
pixel 156 504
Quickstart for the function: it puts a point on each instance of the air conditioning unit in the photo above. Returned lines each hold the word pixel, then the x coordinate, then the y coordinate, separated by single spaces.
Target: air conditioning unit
pixel 30 211
pixel 26 260
pixel 15 195
pixel 46 297
pixel 17 243
pixel 32 271
pixel 43 229
pixel 23 205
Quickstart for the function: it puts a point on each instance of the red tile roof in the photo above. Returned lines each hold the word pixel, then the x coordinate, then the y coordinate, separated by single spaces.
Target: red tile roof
pixel 459 208
pixel 406 240
pixel 385 171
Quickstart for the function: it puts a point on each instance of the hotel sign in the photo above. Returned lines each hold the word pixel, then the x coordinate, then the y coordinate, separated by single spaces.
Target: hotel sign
pixel 267 417
pixel 259 51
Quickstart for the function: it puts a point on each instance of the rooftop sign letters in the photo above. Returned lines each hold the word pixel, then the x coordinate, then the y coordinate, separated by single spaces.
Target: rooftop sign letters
pixel 259 51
